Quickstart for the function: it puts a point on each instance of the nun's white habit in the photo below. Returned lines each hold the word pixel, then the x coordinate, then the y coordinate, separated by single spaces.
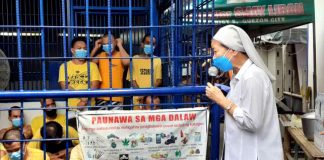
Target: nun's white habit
pixel 253 132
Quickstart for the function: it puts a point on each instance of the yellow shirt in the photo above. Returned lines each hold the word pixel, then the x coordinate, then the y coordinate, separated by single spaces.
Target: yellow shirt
pixel 117 72
pixel 2 147
pixel 142 71
pixel 78 78
pixel 37 122
pixel 76 153
pixel 37 135
pixel 3 151
pixel 142 74
pixel 32 154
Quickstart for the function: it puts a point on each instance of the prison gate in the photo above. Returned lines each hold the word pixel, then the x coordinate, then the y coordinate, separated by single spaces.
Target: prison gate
pixel 36 35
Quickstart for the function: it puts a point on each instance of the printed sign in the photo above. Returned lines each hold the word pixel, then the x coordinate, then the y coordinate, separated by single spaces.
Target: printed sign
pixel 144 135
pixel 259 12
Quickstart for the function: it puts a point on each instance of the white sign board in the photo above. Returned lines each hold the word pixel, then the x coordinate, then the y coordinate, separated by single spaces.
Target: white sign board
pixel 144 135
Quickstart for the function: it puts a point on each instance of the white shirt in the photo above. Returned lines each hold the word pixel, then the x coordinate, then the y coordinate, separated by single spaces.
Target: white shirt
pixel 253 132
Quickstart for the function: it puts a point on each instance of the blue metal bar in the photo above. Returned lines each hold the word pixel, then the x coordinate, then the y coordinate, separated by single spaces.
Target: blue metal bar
pixel 76 24
pixel 64 58
pixel 213 18
pixel 162 104
pixel 21 87
pixel 206 62
pixel 99 93
pixel 193 68
pixel 20 65
pixel 178 47
pixel 151 43
pixel 155 19
pixel 130 44
pixel 112 13
pixel 172 53
pixel 88 40
pixel 64 45
pixel 110 42
pixel 70 18
pixel 42 44
pixel 65 67
pixel 88 50
pixel 216 113
pixel 111 27
pixel 215 123
pixel 99 8
pixel 41 11
pixel 174 64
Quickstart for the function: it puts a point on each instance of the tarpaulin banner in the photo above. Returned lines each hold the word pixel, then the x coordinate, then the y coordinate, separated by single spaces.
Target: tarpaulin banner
pixel 144 135
pixel 261 12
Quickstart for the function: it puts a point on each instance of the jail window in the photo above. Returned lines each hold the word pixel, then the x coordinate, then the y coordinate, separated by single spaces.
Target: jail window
pixel 109 50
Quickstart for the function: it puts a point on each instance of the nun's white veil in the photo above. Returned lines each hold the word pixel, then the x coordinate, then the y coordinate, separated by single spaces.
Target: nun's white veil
pixel 237 39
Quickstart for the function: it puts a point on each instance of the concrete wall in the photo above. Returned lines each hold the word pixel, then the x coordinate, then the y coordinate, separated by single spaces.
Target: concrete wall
pixel 319 34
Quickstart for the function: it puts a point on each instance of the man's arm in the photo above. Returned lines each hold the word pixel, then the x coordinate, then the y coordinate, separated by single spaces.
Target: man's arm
pixel 84 101
pixel 123 52
pixel 158 82
pixel 60 154
pixel 95 49
pixel 134 84
pixel 28 132
pixel 158 72
pixel 2 132
pixel 2 153
pixel 61 78
pixel 95 84
pixel 62 84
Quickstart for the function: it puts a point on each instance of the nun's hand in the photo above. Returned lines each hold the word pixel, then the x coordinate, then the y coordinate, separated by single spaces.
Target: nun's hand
pixel 215 94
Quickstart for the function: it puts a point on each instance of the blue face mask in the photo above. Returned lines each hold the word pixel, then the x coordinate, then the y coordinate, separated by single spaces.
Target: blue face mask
pixel 223 63
pixel 80 53
pixel 148 49
pixel 16 122
pixel 15 155
pixel 108 48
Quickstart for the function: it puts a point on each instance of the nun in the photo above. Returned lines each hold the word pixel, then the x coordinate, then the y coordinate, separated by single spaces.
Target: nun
pixel 251 119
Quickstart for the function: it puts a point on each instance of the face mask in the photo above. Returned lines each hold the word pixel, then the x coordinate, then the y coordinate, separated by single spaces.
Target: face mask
pixel 16 122
pixel 223 63
pixel 80 53
pixel 15 155
pixel 51 113
pixel 148 49
pixel 212 71
pixel 108 48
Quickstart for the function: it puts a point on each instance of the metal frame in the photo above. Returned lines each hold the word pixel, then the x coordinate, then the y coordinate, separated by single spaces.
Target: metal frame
pixel 177 32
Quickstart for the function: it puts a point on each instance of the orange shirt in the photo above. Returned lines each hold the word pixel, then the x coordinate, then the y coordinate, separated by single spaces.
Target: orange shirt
pixel 117 71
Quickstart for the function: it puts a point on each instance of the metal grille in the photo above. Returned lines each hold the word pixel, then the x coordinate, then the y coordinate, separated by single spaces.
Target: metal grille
pixel 36 34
